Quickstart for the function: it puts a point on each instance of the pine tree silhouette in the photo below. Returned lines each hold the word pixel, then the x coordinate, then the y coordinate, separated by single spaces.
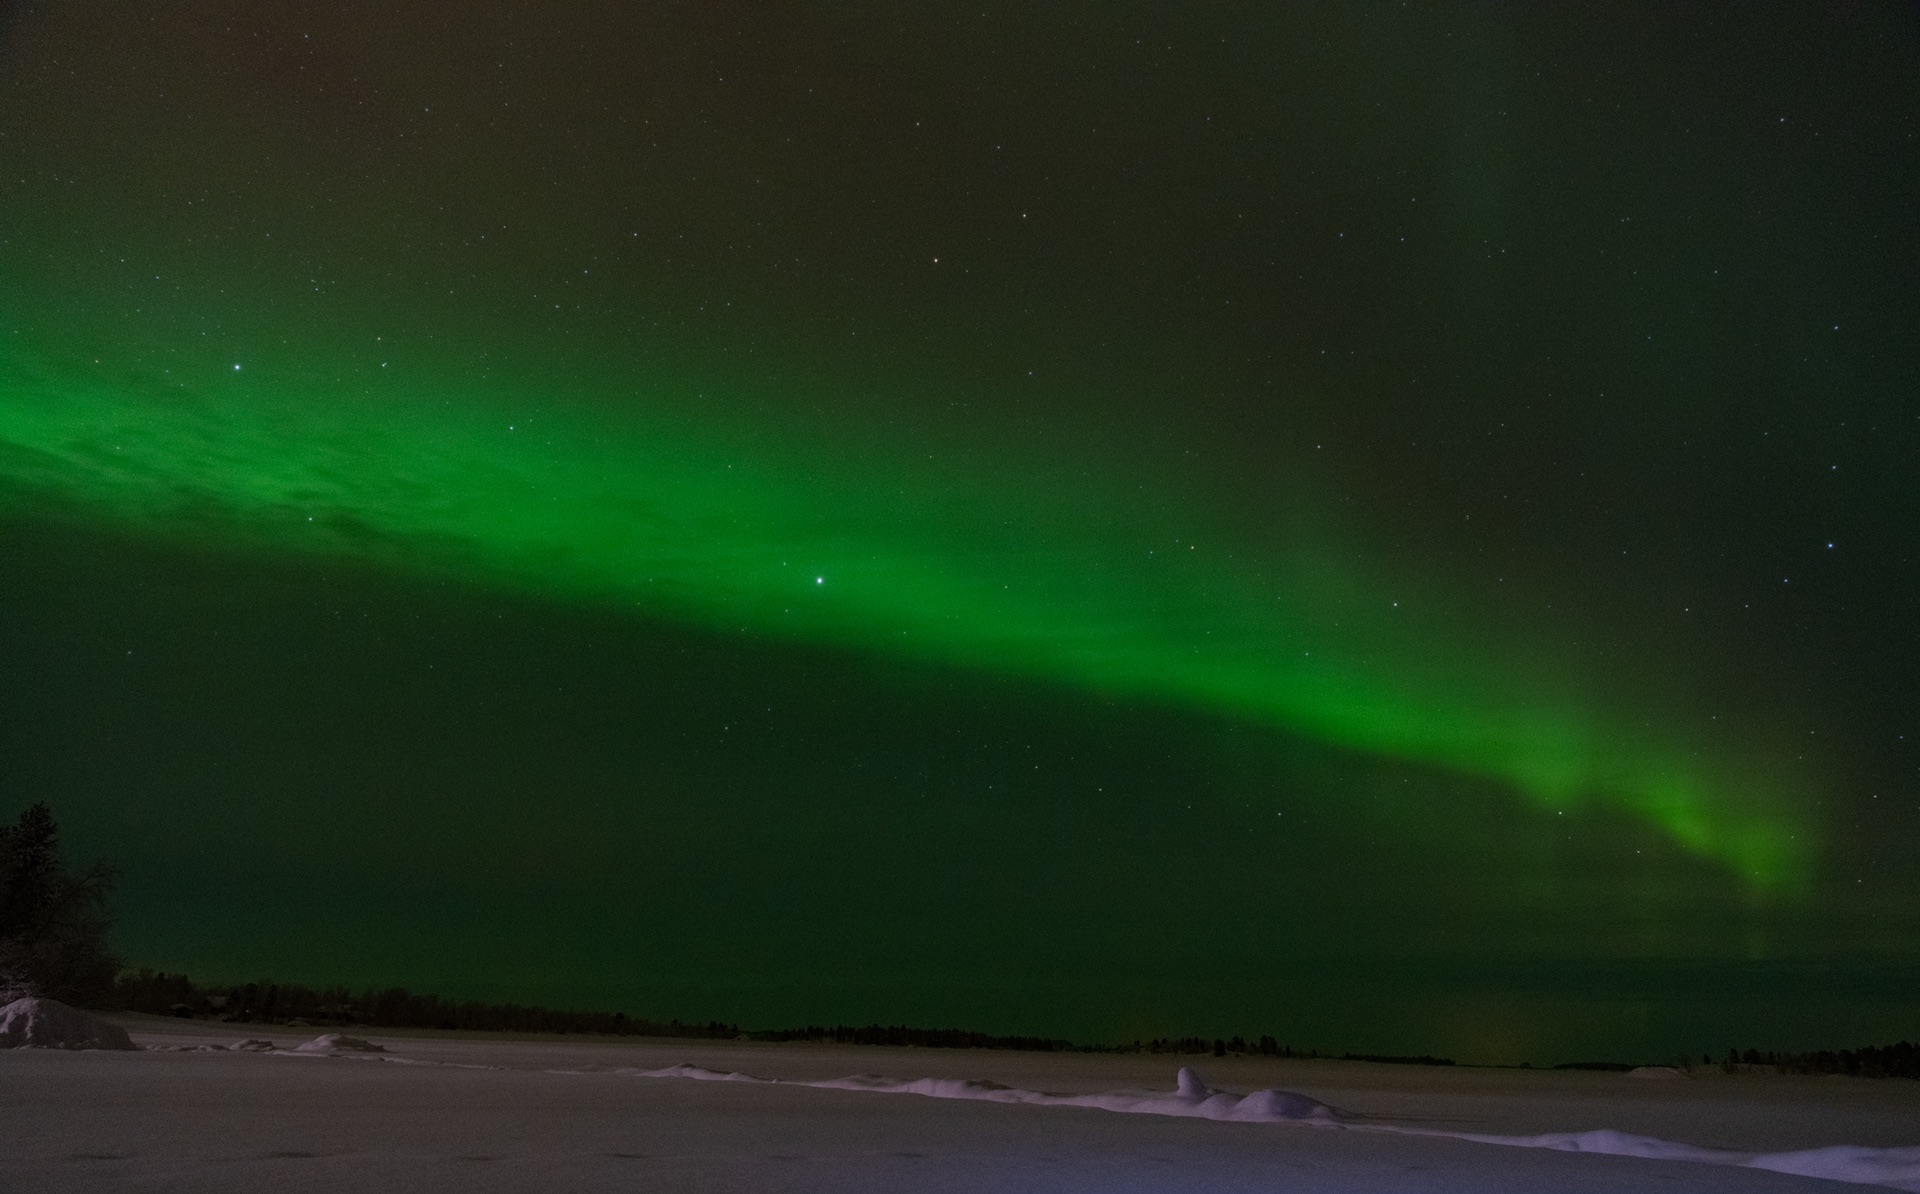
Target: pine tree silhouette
pixel 53 923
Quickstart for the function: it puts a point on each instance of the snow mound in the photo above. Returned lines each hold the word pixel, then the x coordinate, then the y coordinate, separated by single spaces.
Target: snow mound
pixel 329 1044
pixel 49 1024
pixel 252 1045
pixel 1657 1071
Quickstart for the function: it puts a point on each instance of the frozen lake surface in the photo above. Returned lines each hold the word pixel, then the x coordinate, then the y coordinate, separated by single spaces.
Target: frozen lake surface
pixel 480 1113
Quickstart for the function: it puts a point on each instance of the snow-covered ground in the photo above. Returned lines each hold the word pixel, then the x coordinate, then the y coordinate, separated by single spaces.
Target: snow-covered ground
pixel 478 1113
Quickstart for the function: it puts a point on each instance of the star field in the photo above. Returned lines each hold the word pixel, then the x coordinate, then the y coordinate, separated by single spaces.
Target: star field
pixel 1056 521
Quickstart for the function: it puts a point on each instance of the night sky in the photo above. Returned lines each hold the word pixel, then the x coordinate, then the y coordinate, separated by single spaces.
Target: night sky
pixel 1389 527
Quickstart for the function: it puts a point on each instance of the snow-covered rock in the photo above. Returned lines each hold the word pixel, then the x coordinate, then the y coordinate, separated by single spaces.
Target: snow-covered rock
pixel 34 1023
pixel 330 1043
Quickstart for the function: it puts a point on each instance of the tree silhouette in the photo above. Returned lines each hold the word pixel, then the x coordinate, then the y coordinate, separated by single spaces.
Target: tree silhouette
pixel 53 922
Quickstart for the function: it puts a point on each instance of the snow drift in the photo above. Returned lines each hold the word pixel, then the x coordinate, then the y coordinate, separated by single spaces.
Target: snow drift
pixel 1895 1167
pixel 1192 1097
pixel 1898 1168
pixel 49 1024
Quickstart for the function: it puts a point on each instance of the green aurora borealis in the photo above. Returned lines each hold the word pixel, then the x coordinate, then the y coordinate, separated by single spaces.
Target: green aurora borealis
pixel 1329 500
pixel 998 572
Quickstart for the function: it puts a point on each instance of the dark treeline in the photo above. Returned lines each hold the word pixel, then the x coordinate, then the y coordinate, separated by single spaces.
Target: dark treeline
pixel 266 1002
pixel 1396 1059
pixel 284 1003
pixel 1266 1046
pixel 927 1038
pixel 1875 1061
pixel 289 1003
